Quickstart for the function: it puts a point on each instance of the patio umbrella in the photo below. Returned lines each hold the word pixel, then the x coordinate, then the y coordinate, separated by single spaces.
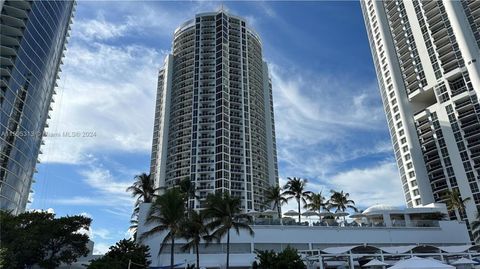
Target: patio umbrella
pixel 420 263
pixel 254 213
pixel 463 261
pixel 309 213
pixel 341 214
pixel 270 212
pixel 325 214
pixel 375 262
pixel 291 213
pixel 357 215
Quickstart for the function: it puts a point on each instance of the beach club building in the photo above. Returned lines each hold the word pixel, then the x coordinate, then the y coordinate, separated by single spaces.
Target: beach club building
pixel 383 233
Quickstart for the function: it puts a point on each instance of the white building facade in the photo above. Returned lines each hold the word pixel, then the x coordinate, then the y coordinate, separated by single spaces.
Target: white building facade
pixel 214 119
pixel 427 59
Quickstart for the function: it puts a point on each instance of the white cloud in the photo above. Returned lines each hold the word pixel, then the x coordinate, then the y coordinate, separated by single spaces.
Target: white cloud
pixel 99 29
pixel 48 210
pixel 108 191
pixel 374 185
pixel 100 248
pixel 315 107
pixel 101 233
pixel 103 181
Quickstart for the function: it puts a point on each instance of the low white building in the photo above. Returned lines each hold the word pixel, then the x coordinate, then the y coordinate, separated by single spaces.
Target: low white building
pixel 378 226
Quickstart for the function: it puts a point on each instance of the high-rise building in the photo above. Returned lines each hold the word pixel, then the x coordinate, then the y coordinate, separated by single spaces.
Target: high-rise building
pixel 32 39
pixel 427 59
pixel 214 113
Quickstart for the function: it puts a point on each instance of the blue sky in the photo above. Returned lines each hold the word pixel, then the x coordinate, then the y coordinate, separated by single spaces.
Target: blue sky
pixel 329 119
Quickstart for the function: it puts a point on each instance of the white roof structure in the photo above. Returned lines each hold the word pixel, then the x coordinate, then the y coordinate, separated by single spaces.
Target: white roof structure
pixel 380 207
pixel 420 263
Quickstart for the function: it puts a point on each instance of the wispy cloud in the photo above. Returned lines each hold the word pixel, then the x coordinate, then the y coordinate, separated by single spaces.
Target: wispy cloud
pixel 98 29
pixel 107 94
pixel 325 124
pixel 366 186
pixel 101 233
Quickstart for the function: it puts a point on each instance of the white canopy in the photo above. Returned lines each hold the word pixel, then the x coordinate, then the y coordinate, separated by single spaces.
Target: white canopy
pixel 375 262
pixel 455 249
pixel 397 249
pixel 338 250
pixel 463 261
pixel 420 263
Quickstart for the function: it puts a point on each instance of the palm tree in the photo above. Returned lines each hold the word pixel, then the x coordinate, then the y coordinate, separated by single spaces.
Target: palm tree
pixel 317 202
pixel 187 187
pixel 454 201
pixel 143 188
pixel 340 201
pixel 194 230
pixel 295 188
pixel 275 198
pixel 224 213
pixel 168 212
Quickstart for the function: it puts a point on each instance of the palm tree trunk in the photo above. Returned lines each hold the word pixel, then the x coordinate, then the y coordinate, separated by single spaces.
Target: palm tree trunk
pixel 228 249
pixel 279 213
pixel 172 249
pixel 299 213
pixel 198 256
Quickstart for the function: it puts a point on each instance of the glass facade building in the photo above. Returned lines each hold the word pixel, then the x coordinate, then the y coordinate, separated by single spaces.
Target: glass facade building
pixel 427 59
pixel 214 120
pixel 33 37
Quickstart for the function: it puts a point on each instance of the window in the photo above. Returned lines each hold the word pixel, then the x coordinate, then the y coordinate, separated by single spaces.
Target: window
pixel 416 192
pixel 413 183
pixel 405 149
pixel 403 141
pixel 411 174
pixel 401 132
pixel 476 198
pixel 397 116
pixel 407 157
pixel 418 201
pixel 399 125
pixel 409 165
pixel 474 187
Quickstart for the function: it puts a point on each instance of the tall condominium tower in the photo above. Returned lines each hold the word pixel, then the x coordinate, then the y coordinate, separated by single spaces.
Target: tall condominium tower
pixel 32 39
pixel 214 113
pixel 427 59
